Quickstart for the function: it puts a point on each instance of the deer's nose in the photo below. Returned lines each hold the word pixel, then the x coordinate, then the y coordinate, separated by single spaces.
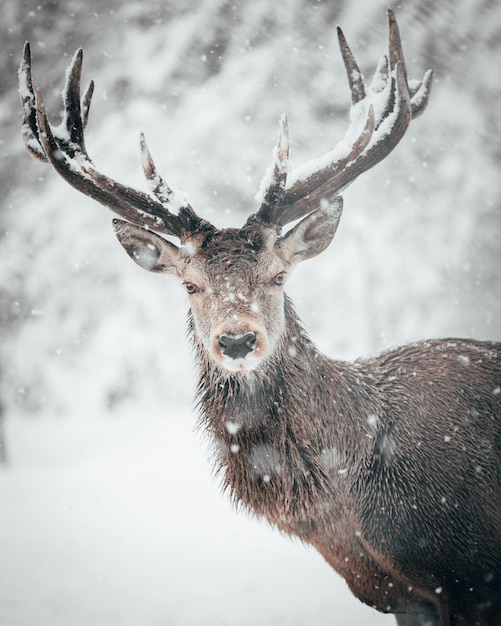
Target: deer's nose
pixel 237 346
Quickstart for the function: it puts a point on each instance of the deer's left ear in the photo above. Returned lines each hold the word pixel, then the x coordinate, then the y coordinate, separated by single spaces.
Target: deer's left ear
pixel 312 234
pixel 148 250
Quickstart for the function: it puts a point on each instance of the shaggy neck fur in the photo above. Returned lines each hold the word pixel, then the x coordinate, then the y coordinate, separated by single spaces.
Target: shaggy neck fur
pixel 349 457
pixel 284 433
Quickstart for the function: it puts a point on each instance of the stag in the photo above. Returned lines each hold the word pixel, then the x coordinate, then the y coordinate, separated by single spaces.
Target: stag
pixel 389 466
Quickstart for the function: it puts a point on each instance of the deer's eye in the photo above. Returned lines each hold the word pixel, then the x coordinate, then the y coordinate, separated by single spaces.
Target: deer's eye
pixel 190 288
pixel 279 278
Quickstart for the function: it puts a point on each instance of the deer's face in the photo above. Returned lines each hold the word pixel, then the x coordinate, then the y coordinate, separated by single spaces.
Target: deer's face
pixel 234 279
pixel 235 285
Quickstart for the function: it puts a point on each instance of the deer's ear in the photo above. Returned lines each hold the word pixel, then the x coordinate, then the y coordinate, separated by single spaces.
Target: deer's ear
pixel 312 234
pixel 148 250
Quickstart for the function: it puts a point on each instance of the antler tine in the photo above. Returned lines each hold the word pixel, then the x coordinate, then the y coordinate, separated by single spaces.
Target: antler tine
pixel 389 105
pixel 86 100
pixel 74 118
pixel 64 148
pixel 396 53
pixel 29 129
pixel 165 194
pixel 273 184
pixel 157 184
pixel 353 72
pixel 419 91
pixel 420 94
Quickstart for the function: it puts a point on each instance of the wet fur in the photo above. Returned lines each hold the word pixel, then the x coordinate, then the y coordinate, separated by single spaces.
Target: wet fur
pixel 389 466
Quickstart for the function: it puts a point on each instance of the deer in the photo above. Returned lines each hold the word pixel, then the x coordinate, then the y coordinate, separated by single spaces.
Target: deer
pixel 389 466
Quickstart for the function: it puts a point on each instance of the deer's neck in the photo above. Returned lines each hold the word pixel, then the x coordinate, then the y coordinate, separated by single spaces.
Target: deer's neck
pixel 283 438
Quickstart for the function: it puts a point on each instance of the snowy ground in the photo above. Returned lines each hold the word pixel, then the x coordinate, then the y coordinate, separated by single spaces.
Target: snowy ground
pixel 117 522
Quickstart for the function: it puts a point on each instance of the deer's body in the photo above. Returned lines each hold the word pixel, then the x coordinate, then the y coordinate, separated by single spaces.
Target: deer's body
pixel 391 466
pixel 383 465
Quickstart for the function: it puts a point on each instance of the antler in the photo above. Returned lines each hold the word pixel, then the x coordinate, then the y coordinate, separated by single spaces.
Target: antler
pixel 64 148
pixel 386 109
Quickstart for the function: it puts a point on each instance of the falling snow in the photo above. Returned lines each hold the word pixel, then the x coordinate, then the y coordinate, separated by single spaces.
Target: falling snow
pixel 95 350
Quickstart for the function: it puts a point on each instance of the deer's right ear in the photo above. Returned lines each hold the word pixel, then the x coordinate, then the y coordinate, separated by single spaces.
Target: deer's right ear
pixel 148 250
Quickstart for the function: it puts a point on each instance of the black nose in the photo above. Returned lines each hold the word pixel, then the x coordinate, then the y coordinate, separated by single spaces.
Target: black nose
pixel 237 346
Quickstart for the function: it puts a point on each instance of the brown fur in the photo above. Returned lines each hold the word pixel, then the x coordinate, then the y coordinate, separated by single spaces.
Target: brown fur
pixel 390 466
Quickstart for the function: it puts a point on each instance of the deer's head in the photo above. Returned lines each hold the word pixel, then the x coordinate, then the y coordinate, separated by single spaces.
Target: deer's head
pixel 234 277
